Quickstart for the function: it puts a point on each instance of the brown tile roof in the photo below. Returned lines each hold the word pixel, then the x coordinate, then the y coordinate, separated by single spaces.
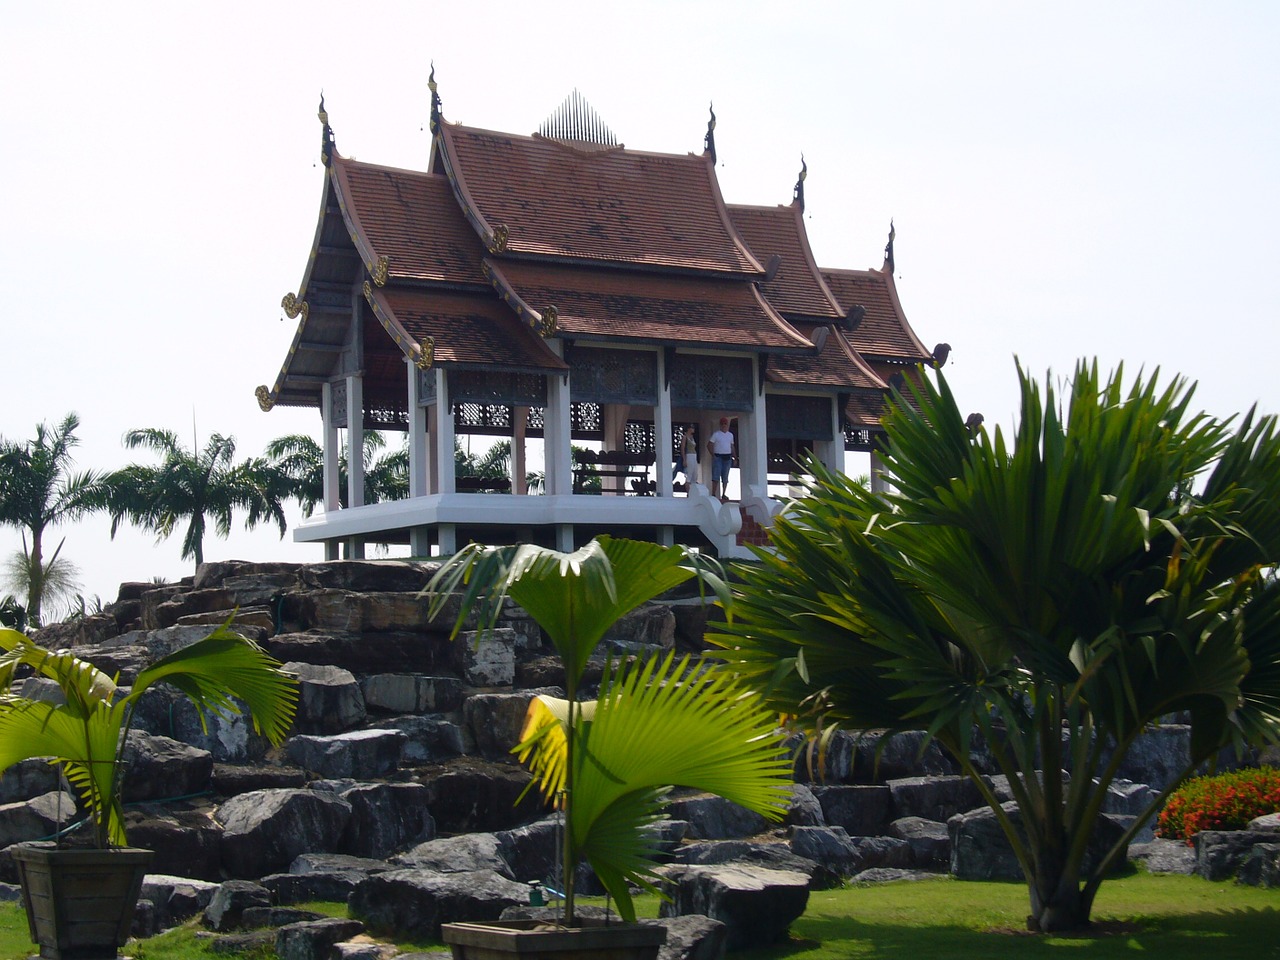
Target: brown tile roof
pixel 469 329
pixel 616 205
pixel 838 365
pixel 624 305
pixel 864 409
pixel 797 289
pixel 884 332
pixel 410 218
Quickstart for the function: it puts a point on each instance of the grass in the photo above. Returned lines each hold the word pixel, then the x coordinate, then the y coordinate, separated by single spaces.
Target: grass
pixel 1138 916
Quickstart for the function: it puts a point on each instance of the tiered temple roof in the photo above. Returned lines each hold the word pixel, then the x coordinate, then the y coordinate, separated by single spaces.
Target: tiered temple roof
pixel 508 242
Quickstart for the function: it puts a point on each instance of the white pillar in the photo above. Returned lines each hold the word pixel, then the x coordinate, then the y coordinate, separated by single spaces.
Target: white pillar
pixel 417 435
pixel 753 452
pixel 831 452
pixel 519 469
pixel 556 433
pixel 443 446
pixel 662 448
pixel 355 440
pixel 332 475
pixel 878 482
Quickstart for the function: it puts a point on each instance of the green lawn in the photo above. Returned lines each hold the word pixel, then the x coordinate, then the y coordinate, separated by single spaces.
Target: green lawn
pixel 1161 917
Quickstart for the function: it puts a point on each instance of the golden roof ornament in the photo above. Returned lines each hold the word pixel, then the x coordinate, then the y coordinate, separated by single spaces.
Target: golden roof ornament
pixel 709 141
pixel 426 353
pixel 550 322
pixel 436 115
pixel 265 403
pixel 293 306
pixel 381 270
pixel 498 242
pixel 798 196
pixel 326 134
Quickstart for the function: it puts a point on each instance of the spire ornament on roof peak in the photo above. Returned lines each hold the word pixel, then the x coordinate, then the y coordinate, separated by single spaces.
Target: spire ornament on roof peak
pixel 888 247
pixel 798 195
pixel 709 141
pixel 436 115
pixel 576 122
pixel 327 143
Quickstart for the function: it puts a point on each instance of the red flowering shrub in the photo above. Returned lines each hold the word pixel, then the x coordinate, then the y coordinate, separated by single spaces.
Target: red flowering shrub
pixel 1225 802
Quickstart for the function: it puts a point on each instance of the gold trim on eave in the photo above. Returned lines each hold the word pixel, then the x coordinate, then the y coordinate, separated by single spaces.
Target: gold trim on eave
pixel 426 353
pixel 293 306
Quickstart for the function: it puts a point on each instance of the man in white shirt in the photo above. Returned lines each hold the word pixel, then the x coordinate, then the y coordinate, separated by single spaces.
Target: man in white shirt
pixel 720 446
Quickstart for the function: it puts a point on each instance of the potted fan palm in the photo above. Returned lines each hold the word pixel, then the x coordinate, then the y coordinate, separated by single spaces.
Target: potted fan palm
pixel 609 765
pixel 80 901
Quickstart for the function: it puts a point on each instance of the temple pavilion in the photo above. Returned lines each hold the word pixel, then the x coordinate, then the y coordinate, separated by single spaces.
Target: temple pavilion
pixel 587 302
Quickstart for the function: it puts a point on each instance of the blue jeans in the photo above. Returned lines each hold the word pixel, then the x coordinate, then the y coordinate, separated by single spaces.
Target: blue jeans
pixel 720 465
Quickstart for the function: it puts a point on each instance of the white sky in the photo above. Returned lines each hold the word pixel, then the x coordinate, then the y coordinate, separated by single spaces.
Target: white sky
pixel 1094 178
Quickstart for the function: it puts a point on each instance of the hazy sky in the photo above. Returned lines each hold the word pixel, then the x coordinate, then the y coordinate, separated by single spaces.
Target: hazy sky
pixel 1066 180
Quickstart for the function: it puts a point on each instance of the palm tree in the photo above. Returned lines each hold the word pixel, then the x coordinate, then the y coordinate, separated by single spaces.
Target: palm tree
pixel 301 459
pixel 610 764
pixel 1057 595
pixel 59 578
pixel 38 490
pixel 193 485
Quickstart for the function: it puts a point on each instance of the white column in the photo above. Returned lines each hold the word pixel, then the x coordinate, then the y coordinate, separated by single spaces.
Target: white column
pixel 878 482
pixel 831 452
pixel 557 430
pixel 332 475
pixel 443 446
pixel 355 440
pixel 753 452
pixel 519 469
pixel 417 435
pixel 662 448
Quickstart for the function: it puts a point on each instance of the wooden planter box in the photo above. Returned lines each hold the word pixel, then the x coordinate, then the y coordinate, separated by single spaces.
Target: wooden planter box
pixel 80 903
pixel 532 940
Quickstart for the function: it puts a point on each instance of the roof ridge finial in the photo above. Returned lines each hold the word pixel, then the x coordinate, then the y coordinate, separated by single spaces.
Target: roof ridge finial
pixel 798 195
pixel 327 143
pixel 709 142
pixel 436 115
pixel 888 247
pixel 576 122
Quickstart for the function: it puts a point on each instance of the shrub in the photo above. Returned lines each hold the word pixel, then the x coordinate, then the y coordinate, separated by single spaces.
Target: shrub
pixel 1225 802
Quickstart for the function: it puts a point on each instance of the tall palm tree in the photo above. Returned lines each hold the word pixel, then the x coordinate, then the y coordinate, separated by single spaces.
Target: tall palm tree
pixel 1058 594
pixel 38 490
pixel 193 485
pixel 301 460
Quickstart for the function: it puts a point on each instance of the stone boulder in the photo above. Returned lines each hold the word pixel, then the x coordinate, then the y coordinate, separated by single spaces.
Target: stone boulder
pixel 884 757
pixel 329 699
pixel 1165 856
pixel 367 576
pixel 862 810
pixel 804 809
pixel 28 779
pixel 175 900
pixel 932 798
pixel 774 856
pixel 929 840
pixel 427 739
pixel 164 711
pixel 36 819
pixel 714 818
pixel 1220 853
pixel 162 768
pixel 757 906
pixel 469 794
pixel 649 627
pixel 692 937
pixel 1261 868
pixel 385 818
pixel 530 851
pixel 412 904
pixel 262 832
pixel 230 901
pixel 493 721
pixel 321 876
pixel 398 651
pixel 486 658
pixel 402 693
pixel 314 939
pixel 980 850
pixel 185 838
pixel 467 853
pixel 358 754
